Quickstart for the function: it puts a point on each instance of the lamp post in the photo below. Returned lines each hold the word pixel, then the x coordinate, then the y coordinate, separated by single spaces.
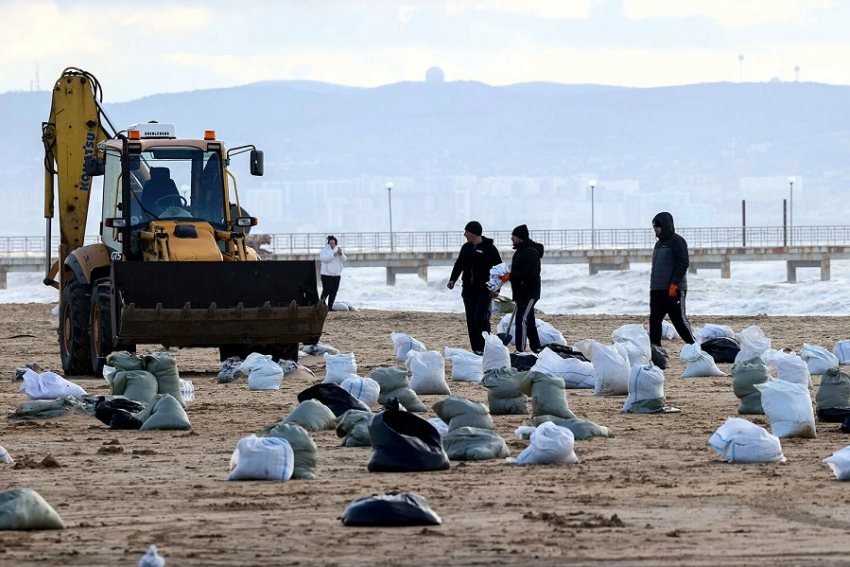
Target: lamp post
pixel 390 200
pixel 592 184
pixel 791 181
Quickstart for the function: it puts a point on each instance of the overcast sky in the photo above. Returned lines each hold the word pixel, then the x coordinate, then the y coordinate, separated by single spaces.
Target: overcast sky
pixel 142 48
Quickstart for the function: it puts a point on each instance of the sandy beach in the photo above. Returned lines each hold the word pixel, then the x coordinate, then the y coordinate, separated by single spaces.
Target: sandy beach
pixel 655 494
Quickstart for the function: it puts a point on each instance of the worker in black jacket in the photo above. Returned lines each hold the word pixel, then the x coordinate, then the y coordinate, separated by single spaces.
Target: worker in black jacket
pixel 476 257
pixel 668 280
pixel 525 285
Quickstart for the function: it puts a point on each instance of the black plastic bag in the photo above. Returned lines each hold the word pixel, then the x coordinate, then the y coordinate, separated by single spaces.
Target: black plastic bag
pixel 391 509
pixel 833 415
pixel 404 442
pixel 334 396
pixel 659 357
pixel 523 361
pixel 566 352
pixel 122 419
pixel 106 408
pixel 722 349
pixel 845 427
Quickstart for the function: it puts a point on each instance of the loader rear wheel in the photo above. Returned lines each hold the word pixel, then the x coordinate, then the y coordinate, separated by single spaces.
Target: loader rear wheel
pixel 101 325
pixel 74 328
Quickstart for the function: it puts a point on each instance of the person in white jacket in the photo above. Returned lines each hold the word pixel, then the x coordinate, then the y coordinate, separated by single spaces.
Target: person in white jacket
pixel 333 260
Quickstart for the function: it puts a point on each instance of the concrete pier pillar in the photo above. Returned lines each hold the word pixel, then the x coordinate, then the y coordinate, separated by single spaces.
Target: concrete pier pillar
pixel 824 270
pixel 390 276
pixel 726 268
pixel 3 272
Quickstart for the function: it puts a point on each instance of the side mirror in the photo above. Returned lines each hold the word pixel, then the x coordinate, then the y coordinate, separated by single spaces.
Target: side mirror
pixel 94 166
pixel 257 162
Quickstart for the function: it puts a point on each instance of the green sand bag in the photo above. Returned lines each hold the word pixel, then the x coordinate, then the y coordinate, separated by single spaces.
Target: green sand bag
pixel 582 429
pixel 503 395
pixel 25 509
pixel 474 444
pixel 303 446
pixel 312 414
pixel 834 390
pixel 353 427
pixel 164 412
pixel 745 375
pixel 458 411
pixel 547 394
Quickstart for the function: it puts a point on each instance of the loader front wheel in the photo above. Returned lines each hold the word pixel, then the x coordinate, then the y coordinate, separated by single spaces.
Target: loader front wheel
pixel 101 325
pixel 288 351
pixel 74 329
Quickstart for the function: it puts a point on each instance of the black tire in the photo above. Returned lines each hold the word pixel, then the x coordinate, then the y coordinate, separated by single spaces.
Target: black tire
pixel 288 351
pixel 100 319
pixel 74 329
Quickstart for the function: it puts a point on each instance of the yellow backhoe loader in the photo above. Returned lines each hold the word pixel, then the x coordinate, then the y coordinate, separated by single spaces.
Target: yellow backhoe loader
pixel 172 266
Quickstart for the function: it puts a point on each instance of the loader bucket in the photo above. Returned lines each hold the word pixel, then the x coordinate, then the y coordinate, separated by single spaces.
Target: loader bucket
pixel 211 304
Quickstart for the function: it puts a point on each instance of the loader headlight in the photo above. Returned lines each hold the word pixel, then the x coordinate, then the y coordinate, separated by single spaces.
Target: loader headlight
pixel 115 223
pixel 246 221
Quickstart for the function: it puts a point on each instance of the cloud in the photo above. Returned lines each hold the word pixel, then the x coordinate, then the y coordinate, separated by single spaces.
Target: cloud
pixel 736 14
pixel 546 9
pixel 406 12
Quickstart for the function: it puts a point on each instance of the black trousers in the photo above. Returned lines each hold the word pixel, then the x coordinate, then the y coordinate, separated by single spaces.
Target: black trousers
pixel 526 326
pixel 661 304
pixel 330 285
pixel 477 307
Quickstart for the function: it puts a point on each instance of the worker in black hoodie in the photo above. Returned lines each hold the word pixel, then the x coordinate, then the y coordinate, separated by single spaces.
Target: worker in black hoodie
pixel 476 257
pixel 525 284
pixel 668 280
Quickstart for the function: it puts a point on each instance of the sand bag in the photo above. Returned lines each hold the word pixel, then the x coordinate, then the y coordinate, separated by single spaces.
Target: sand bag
pixel 164 367
pixel 496 354
pixel 574 372
pixel 334 397
pixel 834 390
pixel 660 358
pixel 818 359
pixel 229 370
pixel 48 409
pixel 25 509
pixel 722 349
pixel 123 360
pixel 364 389
pixel 304 449
pixel 668 331
pixel 441 426
pixel 550 444
pixel 788 407
pixel 353 428
pixel 792 368
pixel 710 331
pixel 582 429
pixel 319 349
pixel 740 441
pixel 503 395
pixel 745 375
pixel 138 385
pixel 427 372
pixel 255 458
pixel 403 344
pixel 312 414
pixel 292 369
pixel 338 367
pixel 263 372
pixel 646 390
pixel 548 334
pixel 611 366
pixel 466 366
pixel 842 351
pixel 839 463
pixel 461 412
pixel 753 343
pixel 700 364
pixel 391 509
pixel 547 394
pixel 48 386
pixel 394 384
pixel 5 457
pixel 164 412
pixel 635 340
pixel 404 442
pixel 474 444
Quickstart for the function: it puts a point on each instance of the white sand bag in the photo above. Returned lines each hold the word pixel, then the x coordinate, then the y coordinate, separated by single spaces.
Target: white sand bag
pixel 839 463
pixel 818 359
pixel 550 444
pixel 574 372
pixel 48 386
pixel 611 366
pixel 710 331
pixel 645 383
pixel 338 367
pixel 496 354
pixel 5 457
pixel 741 441
pixel 668 331
pixel 842 351
pixel 700 363
pixel 792 368
pixel 753 343
pixel 788 407
pixel 364 389
pixel 263 373
pixel 441 426
pixel 403 344
pixel 466 366
pixel 548 334
pixel 427 372
pixel 262 458
pixel 635 340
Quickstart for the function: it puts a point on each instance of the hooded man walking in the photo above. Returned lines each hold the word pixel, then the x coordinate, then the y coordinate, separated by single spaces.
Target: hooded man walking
pixel 476 257
pixel 668 280
pixel 525 285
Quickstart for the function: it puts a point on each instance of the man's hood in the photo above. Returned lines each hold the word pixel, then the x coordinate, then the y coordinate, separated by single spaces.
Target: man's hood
pixel 665 221
pixel 530 244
